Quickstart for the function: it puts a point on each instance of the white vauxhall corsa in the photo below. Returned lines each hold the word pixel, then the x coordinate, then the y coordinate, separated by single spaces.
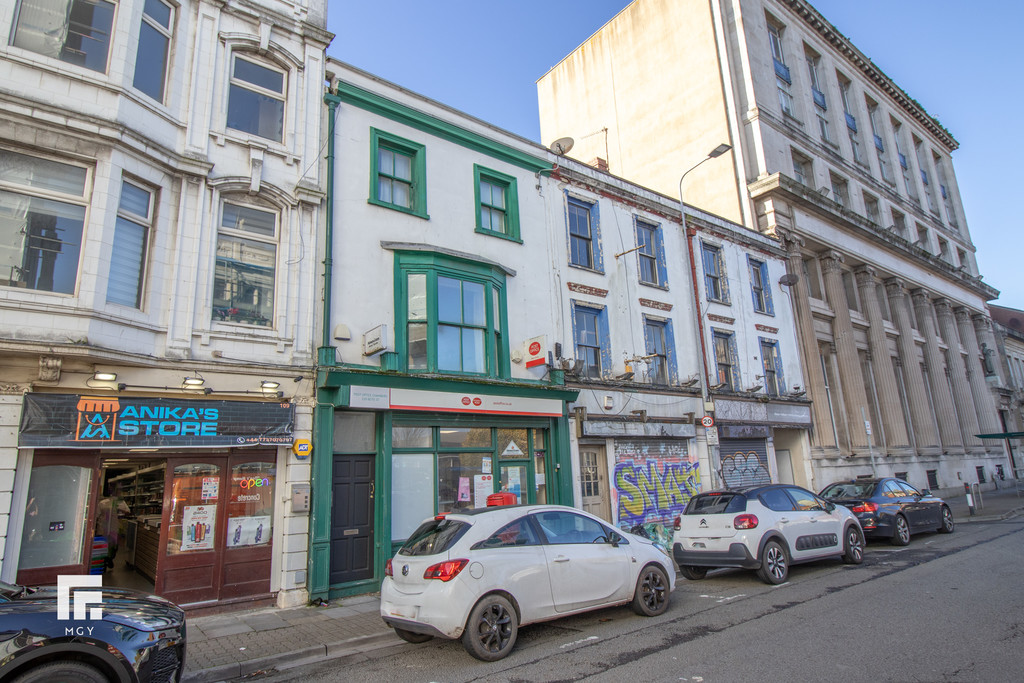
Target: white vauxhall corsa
pixel 766 528
pixel 480 574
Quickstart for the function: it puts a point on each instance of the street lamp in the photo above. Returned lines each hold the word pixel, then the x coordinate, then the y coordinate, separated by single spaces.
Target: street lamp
pixel 716 152
pixel 698 318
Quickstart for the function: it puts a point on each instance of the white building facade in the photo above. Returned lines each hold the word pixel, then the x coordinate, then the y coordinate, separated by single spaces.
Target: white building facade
pixel 855 177
pixel 160 197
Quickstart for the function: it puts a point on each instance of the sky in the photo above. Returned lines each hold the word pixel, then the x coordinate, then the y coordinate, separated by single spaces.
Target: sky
pixel 960 60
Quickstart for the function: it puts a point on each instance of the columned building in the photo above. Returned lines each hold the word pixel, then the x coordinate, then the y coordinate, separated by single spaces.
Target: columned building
pixel 856 179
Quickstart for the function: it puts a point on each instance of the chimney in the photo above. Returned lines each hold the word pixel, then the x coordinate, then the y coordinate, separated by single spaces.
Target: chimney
pixel 599 163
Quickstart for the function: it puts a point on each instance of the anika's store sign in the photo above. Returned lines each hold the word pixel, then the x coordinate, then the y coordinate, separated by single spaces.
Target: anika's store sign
pixel 71 421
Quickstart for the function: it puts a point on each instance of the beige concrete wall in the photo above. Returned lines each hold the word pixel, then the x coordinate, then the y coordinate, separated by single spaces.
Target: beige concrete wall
pixel 608 81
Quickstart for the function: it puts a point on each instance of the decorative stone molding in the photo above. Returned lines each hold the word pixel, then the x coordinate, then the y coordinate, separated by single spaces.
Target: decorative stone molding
pixel 9 389
pixel 791 242
pixel 920 298
pixel 721 319
pixel 963 314
pixel 766 328
pixel 831 261
pixel 865 276
pixel 586 289
pixel 49 368
pixel 894 287
pixel 304 401
pixel 651 303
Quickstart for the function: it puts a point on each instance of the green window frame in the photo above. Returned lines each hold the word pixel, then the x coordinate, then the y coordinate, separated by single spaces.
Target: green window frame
pixel 451 316
pixel 497 204
pixel 398 173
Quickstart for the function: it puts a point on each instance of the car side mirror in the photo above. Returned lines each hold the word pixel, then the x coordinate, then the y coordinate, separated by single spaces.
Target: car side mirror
pixel 830 506
pixel 925 492
pixel 614 539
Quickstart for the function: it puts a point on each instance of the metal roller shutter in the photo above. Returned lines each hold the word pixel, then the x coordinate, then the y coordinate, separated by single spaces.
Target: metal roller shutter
pixel 744 462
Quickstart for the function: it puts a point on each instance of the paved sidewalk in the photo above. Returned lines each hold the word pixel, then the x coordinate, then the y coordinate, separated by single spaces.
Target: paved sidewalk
pixel 227 646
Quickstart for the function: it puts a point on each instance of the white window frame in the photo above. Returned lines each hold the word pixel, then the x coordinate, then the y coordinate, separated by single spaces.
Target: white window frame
pixel 146 224
pixel 282 96
pixel 165 31
pixel 244 235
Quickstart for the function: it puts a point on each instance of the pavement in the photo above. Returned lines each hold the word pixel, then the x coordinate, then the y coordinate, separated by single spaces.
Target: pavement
pixel 227 646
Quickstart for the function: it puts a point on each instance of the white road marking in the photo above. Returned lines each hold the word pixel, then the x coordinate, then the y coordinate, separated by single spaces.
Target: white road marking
pixel 724 598
pixel 577 642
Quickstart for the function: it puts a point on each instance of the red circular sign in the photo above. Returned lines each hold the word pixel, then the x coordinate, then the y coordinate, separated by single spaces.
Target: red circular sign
pixel 477 401
pixel 465 400
pixel 707 421
pixel 534 348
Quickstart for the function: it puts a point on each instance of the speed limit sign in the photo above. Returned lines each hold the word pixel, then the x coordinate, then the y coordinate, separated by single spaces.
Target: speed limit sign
pixel 707 421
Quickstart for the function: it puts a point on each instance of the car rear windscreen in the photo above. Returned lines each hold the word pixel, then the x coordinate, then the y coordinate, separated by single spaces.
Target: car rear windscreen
pixel 716 503
pixel 849 489
pixel 433 537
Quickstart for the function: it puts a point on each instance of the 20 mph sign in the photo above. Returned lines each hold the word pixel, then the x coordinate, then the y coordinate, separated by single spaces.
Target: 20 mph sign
pixel 707 421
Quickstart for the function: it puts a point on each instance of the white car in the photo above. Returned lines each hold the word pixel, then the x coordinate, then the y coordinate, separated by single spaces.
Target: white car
pixel 766 528
pixel 480 574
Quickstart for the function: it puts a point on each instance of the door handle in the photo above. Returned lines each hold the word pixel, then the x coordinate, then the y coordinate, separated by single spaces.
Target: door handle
pixel 371 490
pixel 784 520
pixel 561 558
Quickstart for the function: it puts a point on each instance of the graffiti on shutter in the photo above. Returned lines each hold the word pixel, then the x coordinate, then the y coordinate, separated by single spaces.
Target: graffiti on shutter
pixel 744 462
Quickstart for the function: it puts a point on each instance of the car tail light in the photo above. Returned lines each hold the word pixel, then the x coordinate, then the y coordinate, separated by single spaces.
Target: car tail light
pixel 445 571
pixel 865 507
pixel 388 571
pixel 677 523
pixel 745 522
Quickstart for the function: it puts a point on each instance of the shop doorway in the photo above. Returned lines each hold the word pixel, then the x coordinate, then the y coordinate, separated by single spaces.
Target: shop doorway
pixel 352 528
pixel 594 481
pixel 216 528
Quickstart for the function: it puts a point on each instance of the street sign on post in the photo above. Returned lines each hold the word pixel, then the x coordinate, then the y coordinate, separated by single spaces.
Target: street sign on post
pixel 711 434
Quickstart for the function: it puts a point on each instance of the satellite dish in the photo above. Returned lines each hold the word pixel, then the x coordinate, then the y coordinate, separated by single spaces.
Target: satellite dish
pixel 561 146
pixel 789 279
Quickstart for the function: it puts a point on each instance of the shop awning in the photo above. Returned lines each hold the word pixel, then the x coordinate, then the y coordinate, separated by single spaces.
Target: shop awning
pixel 1002 435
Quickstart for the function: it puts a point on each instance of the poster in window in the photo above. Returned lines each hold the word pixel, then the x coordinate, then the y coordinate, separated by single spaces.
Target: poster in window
pixel 483 486
pixel 197 527
pixel 243 531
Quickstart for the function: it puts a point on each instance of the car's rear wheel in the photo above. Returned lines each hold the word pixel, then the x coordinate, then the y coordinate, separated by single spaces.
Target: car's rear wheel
pixel 411 637
pixel 774 564
pixel 651 596
pixel 693 573
pixel 68 671
pixel 900 531
pixel 492 629
pixel 853 545
pixel 947 521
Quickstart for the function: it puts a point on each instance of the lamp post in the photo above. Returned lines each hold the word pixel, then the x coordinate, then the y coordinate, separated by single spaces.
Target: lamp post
pixel 698 318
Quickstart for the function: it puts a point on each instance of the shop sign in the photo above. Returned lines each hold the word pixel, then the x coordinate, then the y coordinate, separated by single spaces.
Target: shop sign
pixel 73 421
pixel 451 402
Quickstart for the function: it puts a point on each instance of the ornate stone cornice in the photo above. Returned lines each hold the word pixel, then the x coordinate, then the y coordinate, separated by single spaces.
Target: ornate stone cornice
pixel 11 389
pixel 791 242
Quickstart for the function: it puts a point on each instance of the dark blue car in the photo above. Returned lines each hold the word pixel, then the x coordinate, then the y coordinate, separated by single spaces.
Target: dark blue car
pixel 138 638
pixel 891 508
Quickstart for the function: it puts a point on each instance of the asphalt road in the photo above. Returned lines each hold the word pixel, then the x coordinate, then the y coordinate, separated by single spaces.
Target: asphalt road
pixel 945 608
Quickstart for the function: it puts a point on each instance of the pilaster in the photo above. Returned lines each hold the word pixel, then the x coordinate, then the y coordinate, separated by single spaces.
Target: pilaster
pixel 988 417
pixel 926 433
pixel 965 408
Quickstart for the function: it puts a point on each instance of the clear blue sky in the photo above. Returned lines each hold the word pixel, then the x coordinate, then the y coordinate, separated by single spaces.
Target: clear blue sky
pixel 962 61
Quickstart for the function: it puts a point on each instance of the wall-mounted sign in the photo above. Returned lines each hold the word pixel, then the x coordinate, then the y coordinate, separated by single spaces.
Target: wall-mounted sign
pixel 375 340
pixel 536 351
pixel 444 401
pixel 73 421
pixel 302 448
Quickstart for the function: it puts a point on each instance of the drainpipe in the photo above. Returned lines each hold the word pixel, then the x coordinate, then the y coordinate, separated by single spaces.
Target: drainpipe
pixel 326 352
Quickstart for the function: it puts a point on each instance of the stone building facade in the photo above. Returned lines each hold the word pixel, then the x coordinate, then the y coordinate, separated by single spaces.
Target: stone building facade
pixel 853 175
pixel 160 197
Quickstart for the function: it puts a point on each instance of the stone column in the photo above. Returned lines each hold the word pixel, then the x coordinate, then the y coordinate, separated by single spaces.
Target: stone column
pixel 988 416
pixel 854 396
pixel 925 432
pixel 881 363
pixel 962 397
pixel 987 340
pixel 949 429
pixel 822 435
